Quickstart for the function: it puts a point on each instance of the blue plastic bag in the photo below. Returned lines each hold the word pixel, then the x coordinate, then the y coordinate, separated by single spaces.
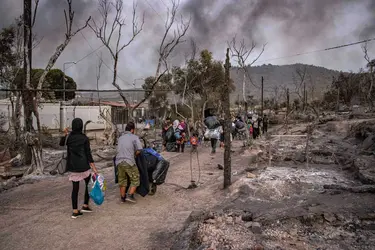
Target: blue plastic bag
pixel 97 194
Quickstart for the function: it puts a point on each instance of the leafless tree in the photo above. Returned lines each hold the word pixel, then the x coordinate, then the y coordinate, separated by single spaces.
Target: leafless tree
pixel 241 52
pixel 167 45
pixel 104 113
pixel 299 81
pixel 371 66
pixel 106 28
pixel 32 100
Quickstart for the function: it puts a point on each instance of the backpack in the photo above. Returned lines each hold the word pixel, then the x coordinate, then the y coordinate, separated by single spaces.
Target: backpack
pixel 62 166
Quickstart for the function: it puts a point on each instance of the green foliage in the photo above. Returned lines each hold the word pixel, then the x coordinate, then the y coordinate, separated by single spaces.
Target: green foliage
pixel 158 102
pixel 8 56
pixel 203 77
pixel 53 80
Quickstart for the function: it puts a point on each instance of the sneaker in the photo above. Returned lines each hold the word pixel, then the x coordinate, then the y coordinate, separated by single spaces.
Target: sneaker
pixel 123 199
pixel 86 210
pixel 76 215
pixel 131 198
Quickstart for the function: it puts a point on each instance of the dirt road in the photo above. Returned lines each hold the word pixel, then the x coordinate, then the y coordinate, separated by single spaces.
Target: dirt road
pixel 37 216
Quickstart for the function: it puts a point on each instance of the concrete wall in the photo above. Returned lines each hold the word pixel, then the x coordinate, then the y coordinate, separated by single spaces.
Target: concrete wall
pixel 50 115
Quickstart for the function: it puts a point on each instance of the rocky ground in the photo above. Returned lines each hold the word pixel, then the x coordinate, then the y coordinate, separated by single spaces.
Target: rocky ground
pixel 310 186
pixel 290 197
pixel 36 215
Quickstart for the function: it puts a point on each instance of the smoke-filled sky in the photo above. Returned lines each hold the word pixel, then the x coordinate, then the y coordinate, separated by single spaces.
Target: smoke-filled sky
pixel 287 26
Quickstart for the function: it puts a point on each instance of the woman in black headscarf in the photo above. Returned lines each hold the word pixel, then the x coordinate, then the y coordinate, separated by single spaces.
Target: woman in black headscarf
pixel 79 163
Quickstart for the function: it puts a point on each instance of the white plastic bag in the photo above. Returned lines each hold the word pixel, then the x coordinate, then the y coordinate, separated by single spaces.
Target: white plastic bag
pixel 212 133
pixel 100 179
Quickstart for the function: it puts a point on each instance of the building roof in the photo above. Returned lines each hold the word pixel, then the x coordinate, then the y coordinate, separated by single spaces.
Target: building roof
pixel 116 104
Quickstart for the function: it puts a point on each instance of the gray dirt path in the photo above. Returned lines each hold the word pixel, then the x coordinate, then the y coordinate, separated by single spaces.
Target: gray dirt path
pixel 37 216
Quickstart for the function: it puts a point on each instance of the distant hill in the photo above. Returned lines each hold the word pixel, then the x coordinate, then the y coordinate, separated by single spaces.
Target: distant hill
pixel 318 80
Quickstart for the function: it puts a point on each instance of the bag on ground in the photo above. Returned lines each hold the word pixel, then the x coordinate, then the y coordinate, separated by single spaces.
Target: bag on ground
pixel 160 173
pixel 97 194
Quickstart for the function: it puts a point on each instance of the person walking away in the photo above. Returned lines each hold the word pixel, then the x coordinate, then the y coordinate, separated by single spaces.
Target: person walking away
pixel 79 163
pixel 265 124
pixel 260 126
pixel 164 129
pixel 129 146
pixel 212 124
pixel 255 128
pixel 250 125
pixel 170 139
pixel 239 125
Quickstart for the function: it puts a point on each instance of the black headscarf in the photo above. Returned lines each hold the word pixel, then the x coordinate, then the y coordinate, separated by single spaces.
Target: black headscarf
pixel 77 125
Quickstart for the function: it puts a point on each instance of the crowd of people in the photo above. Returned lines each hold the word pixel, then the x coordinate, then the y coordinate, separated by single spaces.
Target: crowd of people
pixel 175 135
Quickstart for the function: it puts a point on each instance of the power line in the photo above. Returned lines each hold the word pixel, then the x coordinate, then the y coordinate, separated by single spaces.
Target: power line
pixel 154 9
pixel 310 52
pixel 79 90
pixel 319 50
pixel 94 51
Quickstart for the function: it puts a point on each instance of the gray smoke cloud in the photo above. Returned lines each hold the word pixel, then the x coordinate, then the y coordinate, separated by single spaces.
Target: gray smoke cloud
pixel 288 26
pixel 301 23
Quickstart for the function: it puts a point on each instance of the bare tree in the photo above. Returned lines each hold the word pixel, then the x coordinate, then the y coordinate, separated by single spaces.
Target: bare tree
pixel 31 102
pixel 104 113
pixel 299 81
pixel 241 53
pixel 105 29
pixel 371 66
pixel 167 45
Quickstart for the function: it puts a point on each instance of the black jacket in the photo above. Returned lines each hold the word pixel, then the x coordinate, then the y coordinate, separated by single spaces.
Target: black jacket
pixel 78 148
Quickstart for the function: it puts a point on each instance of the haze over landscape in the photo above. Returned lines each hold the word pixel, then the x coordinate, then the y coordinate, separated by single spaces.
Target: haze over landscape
pixel 288 27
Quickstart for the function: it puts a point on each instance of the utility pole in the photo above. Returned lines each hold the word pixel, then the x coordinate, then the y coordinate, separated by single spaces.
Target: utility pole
pixel 287 101
pixel 62 103
pixel 287 111
pixel 262 97
pixel 304 96
pixel 228 124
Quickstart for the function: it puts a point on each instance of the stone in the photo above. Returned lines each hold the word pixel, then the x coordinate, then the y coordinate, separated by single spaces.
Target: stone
pixel 329 217
pixel 229 220
pixel 205 239
pixel 249 224
pixel 238 220
pixel 257 247
pixel 219 166
pixel 300 157
pixel 368 142
pixel 251 175
pixel 247 217
pixel 256 228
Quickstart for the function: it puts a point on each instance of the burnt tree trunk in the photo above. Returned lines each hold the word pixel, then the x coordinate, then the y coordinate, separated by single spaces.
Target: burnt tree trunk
pixel 27 96
pixel 228 123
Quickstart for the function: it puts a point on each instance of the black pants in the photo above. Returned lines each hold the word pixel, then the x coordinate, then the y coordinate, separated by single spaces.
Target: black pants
pixel 255 133
pixel 76 190
pixel 265 129
pixel 213 144
pixel 180 147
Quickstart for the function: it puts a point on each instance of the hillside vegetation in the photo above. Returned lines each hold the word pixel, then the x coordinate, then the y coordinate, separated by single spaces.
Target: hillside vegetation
pixel 279 77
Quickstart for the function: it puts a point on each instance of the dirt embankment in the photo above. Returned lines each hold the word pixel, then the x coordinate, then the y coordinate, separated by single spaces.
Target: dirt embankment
pixel 311 190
